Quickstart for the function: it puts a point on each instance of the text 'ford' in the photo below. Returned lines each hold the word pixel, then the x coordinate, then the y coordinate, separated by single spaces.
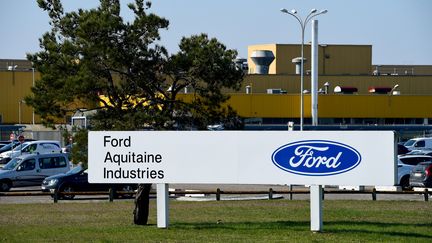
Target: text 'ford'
pixel 316 158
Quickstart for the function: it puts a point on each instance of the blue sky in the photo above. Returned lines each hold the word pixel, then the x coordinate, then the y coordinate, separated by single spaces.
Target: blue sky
pixel 399 30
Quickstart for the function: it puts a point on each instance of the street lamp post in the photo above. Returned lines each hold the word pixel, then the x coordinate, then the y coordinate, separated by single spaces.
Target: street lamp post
pixel 391 93
pixel 303 24
pixel 315 190
pixel 33 84
pixel 19 110
pixel 393 89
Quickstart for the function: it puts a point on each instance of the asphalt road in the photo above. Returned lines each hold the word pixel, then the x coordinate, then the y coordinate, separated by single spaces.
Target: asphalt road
pixel 205 187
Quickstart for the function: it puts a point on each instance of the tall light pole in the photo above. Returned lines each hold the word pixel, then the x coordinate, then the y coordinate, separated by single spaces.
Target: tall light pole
pixel 303 24
pixel 19 110
pixel 390 94
pixel 33 83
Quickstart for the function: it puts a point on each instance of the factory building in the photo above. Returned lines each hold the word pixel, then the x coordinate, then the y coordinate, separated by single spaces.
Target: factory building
pixel 352 90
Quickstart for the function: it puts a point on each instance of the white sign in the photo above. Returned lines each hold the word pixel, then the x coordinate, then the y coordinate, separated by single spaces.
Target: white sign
pixel 243 157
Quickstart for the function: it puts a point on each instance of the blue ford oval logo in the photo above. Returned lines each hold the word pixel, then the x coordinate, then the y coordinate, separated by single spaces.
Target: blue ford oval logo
pixel 316 158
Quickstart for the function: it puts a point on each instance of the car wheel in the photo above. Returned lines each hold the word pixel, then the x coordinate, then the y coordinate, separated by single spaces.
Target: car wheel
pixel 5 186
pixel 67 189
pixel 404 183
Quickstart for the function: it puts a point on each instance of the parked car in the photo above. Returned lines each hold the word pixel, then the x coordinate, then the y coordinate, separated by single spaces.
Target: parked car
pixel 40 146
pixel 402 149
pixel 421 175
pixel 31 169
pixel 405 164
pixel 418 143
pixel 10 144
pixel 421 152
pixel 76 180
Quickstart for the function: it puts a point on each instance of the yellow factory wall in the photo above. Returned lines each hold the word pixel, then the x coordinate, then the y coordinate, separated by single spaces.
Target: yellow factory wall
pixel 333 106
pixel 344 59
pixel 332 59
pixel 408 85
pixel 373 106
pixel 415 101
pixel 263 105
pixel 14 86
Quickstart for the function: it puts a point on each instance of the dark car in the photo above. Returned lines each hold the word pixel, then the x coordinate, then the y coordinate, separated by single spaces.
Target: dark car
pixel 421 175
pixel 76 180
pixel 402 149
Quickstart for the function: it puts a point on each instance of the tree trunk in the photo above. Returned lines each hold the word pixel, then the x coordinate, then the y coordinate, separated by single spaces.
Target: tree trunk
pixel 141 210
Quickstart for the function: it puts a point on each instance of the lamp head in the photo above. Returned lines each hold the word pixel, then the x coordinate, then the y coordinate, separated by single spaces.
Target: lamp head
pixel 293 11
pixel 313 11
pixel 324 11
pixel 283 10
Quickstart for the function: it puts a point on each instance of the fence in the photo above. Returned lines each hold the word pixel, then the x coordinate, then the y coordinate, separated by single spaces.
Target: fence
pixel 218 192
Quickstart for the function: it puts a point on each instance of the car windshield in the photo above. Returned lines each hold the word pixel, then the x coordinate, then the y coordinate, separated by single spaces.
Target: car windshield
pixel 75 170
pixel 12 164
pixel 409 142
pixel 7 147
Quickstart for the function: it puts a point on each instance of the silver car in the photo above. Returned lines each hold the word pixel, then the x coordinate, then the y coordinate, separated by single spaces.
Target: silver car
pixel 31 169
pixel 405 164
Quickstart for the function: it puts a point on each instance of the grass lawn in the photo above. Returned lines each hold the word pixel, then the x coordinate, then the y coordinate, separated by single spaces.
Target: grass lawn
pixel 239 221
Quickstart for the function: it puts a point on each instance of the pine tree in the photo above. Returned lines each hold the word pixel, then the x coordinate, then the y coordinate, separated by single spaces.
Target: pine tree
pixel 94 60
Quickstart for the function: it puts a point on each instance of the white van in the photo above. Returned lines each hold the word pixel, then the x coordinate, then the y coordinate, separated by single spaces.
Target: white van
pixel 39 146
pixel 418 144
pixel 32 169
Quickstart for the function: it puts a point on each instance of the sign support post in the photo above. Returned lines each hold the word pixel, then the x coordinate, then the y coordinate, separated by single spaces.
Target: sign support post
pixel 162 199
pixel 316 195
